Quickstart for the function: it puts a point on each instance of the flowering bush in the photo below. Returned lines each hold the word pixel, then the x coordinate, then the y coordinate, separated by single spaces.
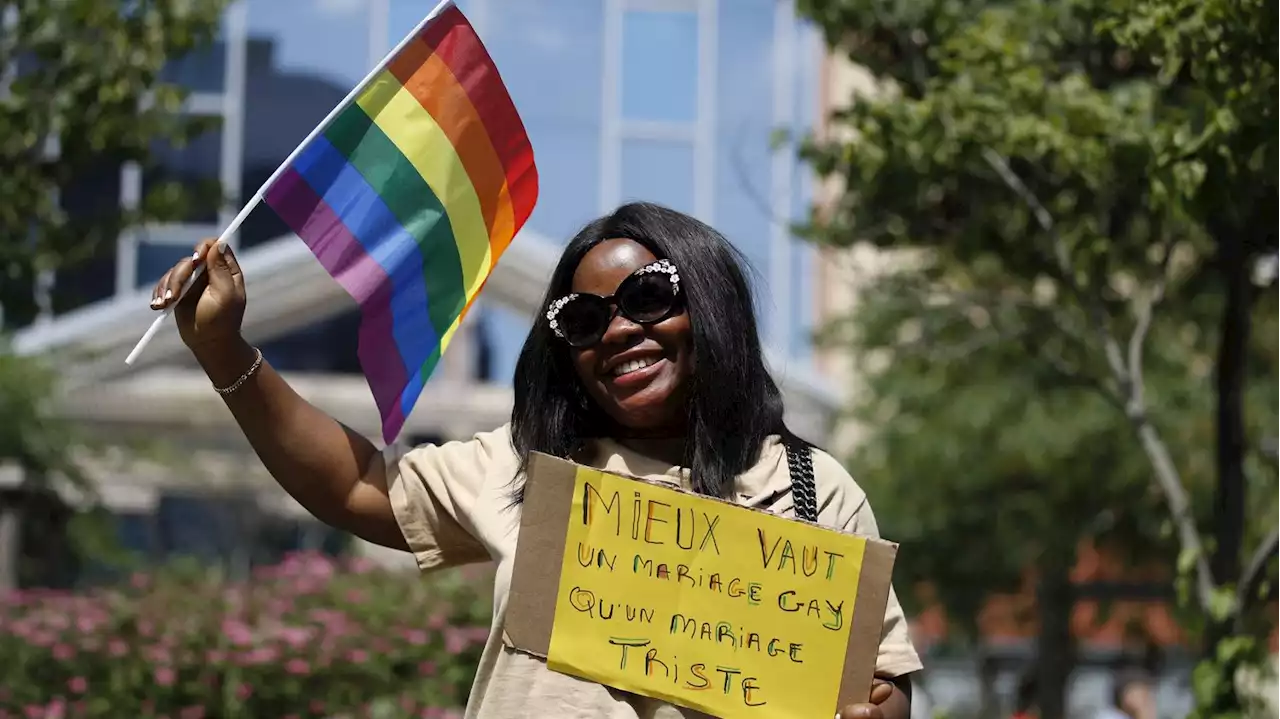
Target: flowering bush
pixel 308 638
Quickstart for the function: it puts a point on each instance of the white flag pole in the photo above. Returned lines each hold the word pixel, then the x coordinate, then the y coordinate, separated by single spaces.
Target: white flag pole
pixel 262 191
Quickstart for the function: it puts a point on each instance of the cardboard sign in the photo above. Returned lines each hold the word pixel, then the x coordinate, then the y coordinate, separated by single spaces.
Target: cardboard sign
pixel 724 609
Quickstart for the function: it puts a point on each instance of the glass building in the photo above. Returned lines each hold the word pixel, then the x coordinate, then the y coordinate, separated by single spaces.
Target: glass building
pixel 673 101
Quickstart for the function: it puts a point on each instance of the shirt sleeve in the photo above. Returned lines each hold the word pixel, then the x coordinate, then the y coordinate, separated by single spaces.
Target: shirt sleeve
pixel 843 504
pixel 434 491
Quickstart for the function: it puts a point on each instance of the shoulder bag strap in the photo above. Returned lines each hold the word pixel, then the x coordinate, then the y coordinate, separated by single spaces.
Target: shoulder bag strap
pixel 803 490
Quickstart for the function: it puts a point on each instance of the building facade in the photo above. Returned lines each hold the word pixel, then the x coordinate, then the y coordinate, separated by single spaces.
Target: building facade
pixel 673 101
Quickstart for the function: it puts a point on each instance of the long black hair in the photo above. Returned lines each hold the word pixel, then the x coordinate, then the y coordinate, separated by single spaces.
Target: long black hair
pixel 734 404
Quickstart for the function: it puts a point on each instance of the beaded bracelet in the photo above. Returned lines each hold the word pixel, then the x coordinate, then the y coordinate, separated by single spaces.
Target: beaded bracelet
pixel 253 369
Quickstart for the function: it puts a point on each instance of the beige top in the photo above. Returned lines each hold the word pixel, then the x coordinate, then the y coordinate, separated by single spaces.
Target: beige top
pixel 454 505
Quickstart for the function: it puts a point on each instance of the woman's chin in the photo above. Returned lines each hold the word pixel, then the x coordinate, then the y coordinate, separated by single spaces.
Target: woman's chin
pixel 644 414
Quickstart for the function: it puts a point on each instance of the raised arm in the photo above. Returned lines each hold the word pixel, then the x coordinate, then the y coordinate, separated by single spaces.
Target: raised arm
pixel 334 472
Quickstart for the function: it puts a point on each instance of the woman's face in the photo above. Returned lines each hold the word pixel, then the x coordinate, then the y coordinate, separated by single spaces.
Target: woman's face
pixel 638 374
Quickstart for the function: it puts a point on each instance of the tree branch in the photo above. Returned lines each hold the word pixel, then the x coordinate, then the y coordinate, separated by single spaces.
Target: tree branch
pixel 1144 312
pixel 1062 257
pixel 1127 377
pixel 1254 572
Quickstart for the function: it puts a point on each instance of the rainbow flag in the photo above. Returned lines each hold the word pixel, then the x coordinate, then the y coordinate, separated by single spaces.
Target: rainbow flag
pixel 409 195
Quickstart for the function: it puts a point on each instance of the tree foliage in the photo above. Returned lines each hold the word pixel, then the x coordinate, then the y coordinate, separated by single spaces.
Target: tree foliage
pixel 82 92
pixel 1077 195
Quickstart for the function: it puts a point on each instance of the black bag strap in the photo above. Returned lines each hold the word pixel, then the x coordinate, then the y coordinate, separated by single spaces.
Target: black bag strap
pixel 804 492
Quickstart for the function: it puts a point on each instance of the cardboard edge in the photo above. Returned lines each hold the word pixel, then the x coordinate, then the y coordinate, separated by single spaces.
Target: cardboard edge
pixel 531 601
pixel 867 623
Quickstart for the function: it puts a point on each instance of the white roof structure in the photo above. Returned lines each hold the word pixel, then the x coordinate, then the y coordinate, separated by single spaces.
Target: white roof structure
pixel 288 289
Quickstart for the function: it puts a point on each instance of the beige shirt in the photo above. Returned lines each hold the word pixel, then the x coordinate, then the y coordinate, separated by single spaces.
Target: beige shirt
pixel 454 505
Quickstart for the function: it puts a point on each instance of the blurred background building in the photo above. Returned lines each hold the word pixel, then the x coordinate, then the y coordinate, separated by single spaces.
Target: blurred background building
pixel 673 101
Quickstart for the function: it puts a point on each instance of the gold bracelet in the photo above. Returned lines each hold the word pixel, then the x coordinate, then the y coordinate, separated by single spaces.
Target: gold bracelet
pixel 253 369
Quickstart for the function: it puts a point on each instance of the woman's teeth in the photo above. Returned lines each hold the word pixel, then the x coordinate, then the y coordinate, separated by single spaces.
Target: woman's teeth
pixel 633 365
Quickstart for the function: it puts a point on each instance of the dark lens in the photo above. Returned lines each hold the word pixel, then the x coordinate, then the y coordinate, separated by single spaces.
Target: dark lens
pixel 647 298
pixel 583 320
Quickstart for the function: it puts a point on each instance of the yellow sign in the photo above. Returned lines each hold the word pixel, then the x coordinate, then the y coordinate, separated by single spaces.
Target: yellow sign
pixel 731 611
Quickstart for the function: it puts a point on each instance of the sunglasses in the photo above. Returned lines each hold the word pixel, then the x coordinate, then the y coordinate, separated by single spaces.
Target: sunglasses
pixel 649 295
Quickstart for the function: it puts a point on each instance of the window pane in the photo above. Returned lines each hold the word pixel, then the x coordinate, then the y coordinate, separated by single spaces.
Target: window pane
pixel 744 121
pixel 196 166
pixel 658 171
pixel 329 346
pixel 201 70
pixel 94 192
pixel 500 335
pixel 550 53
pixel 155 259
pixel 660 66
pixel 404 15
pixel 304 56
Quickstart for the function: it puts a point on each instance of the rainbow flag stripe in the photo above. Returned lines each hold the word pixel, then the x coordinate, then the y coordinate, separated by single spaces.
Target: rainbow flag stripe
pixel 409 196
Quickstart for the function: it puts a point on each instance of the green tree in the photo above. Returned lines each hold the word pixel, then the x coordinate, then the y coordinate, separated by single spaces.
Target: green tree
pixel 985 466
pixel 1087 186
pixel 82 93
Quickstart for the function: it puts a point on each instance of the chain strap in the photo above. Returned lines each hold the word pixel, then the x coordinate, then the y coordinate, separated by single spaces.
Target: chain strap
pixel 804 492
pixel 253 369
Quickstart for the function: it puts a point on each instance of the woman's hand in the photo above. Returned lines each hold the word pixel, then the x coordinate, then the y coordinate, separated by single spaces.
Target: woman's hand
pixel 881 691
pixel 213 309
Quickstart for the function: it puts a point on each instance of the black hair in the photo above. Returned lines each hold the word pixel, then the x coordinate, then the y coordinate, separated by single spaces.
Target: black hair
pixel 734 403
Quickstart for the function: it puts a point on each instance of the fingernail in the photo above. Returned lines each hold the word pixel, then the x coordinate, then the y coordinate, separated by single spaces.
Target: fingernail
pixel 195 256
pixel 155 301
pixel 168 294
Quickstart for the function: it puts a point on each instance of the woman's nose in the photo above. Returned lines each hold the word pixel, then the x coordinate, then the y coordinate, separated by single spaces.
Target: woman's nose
pixel 621 330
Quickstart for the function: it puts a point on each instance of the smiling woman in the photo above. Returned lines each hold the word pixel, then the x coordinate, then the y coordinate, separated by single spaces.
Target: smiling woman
pixel 645 362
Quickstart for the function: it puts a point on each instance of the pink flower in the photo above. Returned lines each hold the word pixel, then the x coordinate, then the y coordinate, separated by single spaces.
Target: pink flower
pixel 295 636
pixel 165 676
pixel 63 652
pixel 195 712
pixel 243 692
pixel 416 637
pixel 78 685
pixel 237 632
pixel 117 648
pixel 316 707
pixel 262 655
pixel 297 666
pixel 359 656
pixel 34 711
pixel 427 669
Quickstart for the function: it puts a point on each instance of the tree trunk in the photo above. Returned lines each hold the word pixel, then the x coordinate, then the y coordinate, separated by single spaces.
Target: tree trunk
pixel 1229 495
pixel 1229 499
pixel 10 540
pixel 988 701
pixel 1055 647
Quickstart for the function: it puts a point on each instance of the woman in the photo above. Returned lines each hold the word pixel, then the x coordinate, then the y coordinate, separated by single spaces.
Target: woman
pixel 645 361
